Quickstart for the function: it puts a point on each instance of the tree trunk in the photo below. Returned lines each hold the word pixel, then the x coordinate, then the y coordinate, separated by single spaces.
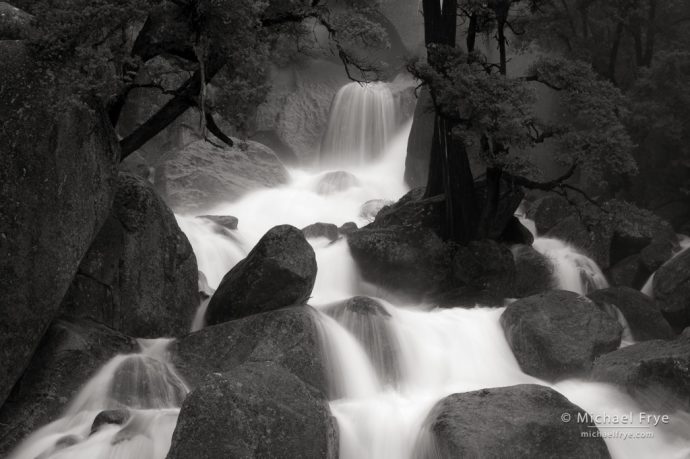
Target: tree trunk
pixel 613 59
pixel 185 98
pixel 651 34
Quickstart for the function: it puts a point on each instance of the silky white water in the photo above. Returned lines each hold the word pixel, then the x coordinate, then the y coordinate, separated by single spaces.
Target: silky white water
pixel 427 353
pixel 145 384
pixel 361 124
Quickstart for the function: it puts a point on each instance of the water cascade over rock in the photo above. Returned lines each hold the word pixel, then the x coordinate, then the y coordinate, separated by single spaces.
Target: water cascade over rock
pixel 361 123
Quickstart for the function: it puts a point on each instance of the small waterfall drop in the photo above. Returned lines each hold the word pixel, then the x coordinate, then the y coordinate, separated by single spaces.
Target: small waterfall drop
pixel 573 270
pixel 361 123
pixel 143 388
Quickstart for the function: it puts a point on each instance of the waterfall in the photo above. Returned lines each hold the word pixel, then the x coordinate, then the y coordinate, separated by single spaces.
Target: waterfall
pixel 360 125
pixel 145 385
pixel 573 270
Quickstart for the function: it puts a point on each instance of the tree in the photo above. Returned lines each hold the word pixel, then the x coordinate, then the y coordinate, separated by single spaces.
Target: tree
pixel 103 44
pixel 477 104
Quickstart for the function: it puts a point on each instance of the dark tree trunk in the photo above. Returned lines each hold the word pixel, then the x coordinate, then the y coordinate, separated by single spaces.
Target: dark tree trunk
pixel 185 98
pixel 449 167
pixel 651 34
pixel 613 59
pixel 472 33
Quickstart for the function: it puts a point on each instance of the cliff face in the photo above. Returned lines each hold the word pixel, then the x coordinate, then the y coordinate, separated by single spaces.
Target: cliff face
pixel 57 173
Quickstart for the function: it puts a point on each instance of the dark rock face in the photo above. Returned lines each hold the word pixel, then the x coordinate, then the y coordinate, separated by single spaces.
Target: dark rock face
pixel 335 182
pixel 69 354
pixel 201 175
pixel 140 274
pixel 327 230
pixel 412 210
pixel 672 290
pixel 533 272
pixel 279 272
pixel 635 229
pixel 516 233
pixel 548 211
pixel 288 337
pixel 368 321
pixel 117 417
pixel 226 221
pixel 257 410
pixel 656 373
pixel 558 334
pixel 483 266
pixel 641 313
pixel 413 262
pixel 57 177
pixel 347 228
pixel 629 272
pixel 14 23
pixel 524 420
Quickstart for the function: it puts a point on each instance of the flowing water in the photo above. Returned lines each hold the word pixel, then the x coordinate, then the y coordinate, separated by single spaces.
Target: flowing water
pixel 387 367
pixel 145 385
pixel 360 125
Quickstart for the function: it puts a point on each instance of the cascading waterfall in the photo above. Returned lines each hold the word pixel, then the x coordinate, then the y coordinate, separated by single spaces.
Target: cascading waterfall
pixel 361 123
pixel 145 385
pixel 387 365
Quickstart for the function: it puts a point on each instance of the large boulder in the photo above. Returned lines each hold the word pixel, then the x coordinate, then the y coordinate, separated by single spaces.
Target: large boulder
pixel 14 23
pixel 257 410
pixel 140 274
pixel 280 271
pixel 558 334
pixel 641 313
pixel 57 177
pixel 412 262
pixel 70 353
pixel 548 211
pixel 202 175
pixel 672 290
pixel 533 272
pixel 317 230
pixel 289 337
pixel 628 272
pixel 485 266
pixel 656 373
pixel 525 420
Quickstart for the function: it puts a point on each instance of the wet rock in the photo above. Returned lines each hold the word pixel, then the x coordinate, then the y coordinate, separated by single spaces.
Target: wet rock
pixel 635 229
pixel 369 323
pixel 548 211
pixel 57 178
pixel 71 351
pixel 413 210
pixel 516 233
pixel 656 254
pixel 640 312
pixel 672 290
pixel 15 24
pixel 656 373
pixel 523 419
pixel 288 337
pixel 558 334
pixel 347 228
pixel 226 221
pixel 483 266
pixel 412 262
pixel 629 272
pixel 335 182
pixel 201 175
pixel 533 272
pixel 257 410
pixel 116 417
pixel 279 272
pixel 140 273
pixel 371 208
pixel 327 230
